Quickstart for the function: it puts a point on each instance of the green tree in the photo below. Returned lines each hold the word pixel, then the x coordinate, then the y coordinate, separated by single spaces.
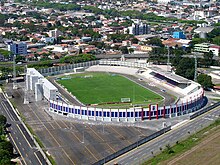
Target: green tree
pixel 19 58
pixel 155 41
pixel 134 40
pixel 6 145
pixel 169 149
pixel 205 81
pixel 185 68
pixel 216 40
pixel 3 120
pixel 158 54
pixel 5 53
pixel 208 59
pixel 131 50
pixel 124 50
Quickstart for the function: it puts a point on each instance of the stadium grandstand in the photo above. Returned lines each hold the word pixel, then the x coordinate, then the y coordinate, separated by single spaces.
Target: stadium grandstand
pixel 191 93
pixel 171 80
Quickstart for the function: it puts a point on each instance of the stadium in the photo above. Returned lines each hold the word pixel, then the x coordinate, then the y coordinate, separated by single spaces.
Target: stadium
pixel 68 94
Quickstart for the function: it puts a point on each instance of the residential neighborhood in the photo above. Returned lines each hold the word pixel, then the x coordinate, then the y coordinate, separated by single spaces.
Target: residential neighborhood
pixel 109 82
pixel 40 32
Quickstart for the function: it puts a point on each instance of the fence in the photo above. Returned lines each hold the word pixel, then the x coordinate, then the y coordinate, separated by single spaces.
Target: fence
pixel 204 110
pixel 132 146
pixel 66 68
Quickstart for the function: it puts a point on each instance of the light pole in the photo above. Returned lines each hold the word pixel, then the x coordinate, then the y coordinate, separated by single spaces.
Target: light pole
pixel 83 138
pixel 103 129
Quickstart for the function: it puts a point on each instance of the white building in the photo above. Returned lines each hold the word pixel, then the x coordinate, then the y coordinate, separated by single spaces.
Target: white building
pixel 163 1
pixel 18 48
pixel 55 33
pixel 48 39
pixel 40 85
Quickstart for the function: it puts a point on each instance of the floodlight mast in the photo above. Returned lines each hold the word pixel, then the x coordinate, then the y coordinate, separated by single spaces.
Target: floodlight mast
pixel 26 100
pixel 195 72
pixel 168 58
pixel 14 73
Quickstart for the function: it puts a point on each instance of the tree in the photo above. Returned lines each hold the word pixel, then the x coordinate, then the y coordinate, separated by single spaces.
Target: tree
pixel 205 81
pixel 158 54
pixel 3 120
pixel 6 145
pixel 208 59
pixel 134 41
pixel 124 50
pixel 169 149
pixel 131 50
pixel 155 42
pixel 5 53
pixel 216 40
pixel 19 58
pixel 186 68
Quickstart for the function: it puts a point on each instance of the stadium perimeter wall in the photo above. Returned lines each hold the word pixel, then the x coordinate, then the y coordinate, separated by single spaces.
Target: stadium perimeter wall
pixel 188 105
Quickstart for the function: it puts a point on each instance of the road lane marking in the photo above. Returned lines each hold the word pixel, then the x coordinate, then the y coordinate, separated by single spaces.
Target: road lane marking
pixel 7 111
pixel 120 135
pixel 73 133
pixel 101 139
pixel 91 153
pixel 23 135
pixel 52 136
pixel 207 118
pixel 151 142
pixel 37 158
pixel 17 148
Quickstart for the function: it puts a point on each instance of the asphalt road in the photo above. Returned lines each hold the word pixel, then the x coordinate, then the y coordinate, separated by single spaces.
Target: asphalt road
pixel 19 137
pixel 148 150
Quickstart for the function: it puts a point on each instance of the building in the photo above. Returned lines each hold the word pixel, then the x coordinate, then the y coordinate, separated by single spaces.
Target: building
pixel 18 48
pixel 55 33
pixel 139 29
pixel 179 35
pixel 41 87
pixel 203 47
pixel 163 1
pixel 202 31
pixel 146 48
pixel 215 49
pixel 48 39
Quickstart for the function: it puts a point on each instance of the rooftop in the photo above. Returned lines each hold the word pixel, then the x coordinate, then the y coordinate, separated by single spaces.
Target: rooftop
pixel 204 29
pixel 171 75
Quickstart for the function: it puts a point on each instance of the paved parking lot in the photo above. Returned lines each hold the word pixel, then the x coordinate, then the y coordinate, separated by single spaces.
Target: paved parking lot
pixel 72 141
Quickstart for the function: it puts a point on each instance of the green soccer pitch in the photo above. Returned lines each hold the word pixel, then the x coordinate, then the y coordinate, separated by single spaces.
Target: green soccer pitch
pixel 103 88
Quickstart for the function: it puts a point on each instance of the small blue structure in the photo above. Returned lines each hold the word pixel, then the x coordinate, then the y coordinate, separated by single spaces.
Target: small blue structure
pixel 179 35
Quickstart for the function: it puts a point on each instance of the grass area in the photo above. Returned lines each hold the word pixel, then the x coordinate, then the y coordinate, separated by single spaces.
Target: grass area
pixel 99 88
pixel 180 147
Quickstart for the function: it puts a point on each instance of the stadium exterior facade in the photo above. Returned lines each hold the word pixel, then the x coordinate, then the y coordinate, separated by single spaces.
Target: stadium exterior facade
pixel 192 101
pixel 131 114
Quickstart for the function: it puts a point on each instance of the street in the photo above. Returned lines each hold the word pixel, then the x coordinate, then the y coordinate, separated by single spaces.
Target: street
pixel 148 150
pixel 19 137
